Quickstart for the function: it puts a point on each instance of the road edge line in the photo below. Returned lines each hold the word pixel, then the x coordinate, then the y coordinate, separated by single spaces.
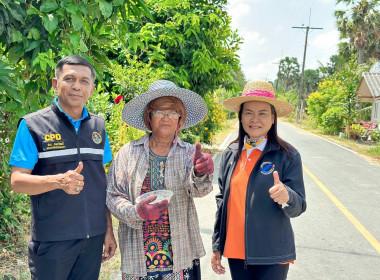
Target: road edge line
pixel 327 140
pixel 220 148
pixel 367 235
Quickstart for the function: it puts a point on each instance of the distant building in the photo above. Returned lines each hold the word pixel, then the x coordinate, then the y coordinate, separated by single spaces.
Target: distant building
pixel 375 68
pixel 369 90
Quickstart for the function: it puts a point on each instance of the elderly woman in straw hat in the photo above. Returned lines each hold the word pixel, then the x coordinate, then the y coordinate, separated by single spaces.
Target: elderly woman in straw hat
pixel 261 188
pixel 158 240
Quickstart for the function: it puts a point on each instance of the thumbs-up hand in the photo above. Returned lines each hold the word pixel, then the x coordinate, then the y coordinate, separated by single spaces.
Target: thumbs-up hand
pixel 203 163
pixel 278 192
pixel 79 168
pixel 72 181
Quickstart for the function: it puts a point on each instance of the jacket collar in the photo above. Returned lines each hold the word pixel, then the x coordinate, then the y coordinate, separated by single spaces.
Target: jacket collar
pixel 270 146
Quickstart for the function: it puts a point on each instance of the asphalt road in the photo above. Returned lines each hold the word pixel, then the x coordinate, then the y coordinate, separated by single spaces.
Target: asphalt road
pixel 329 244
pixel 338 235
pixel 344 201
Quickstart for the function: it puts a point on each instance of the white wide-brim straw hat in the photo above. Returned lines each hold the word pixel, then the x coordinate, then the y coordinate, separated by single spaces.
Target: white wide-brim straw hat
pixel 194 104
pixel 259 91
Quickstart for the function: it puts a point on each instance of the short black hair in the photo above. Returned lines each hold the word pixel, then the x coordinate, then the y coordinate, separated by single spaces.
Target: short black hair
pixel 74 60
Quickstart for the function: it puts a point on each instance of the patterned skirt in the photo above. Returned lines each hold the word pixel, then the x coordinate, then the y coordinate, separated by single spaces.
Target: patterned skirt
pixel 191 273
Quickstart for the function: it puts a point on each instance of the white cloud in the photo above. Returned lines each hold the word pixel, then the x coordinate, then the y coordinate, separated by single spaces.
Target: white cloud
pixel 326 39
pixel 322 47
pixel 253 39
pixel 238 13
pixel 254 44
pixel 261 71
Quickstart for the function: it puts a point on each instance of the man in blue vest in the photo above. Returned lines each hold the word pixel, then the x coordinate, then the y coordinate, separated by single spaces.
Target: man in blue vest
pixel 58 159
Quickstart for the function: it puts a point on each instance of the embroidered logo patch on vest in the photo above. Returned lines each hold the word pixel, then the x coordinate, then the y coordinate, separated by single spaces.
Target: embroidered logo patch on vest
pixel 267 168
pixel 53 142
pixel 96 137
pixel 52 137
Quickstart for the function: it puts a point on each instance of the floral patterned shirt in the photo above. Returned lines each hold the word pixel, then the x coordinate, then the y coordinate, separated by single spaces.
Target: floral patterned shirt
pixel 157 239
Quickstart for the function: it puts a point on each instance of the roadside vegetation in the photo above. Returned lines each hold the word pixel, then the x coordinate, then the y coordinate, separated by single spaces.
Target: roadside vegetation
pixel 368 149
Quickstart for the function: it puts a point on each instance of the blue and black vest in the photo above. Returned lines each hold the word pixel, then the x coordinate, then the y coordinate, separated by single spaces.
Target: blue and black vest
pixel 56 215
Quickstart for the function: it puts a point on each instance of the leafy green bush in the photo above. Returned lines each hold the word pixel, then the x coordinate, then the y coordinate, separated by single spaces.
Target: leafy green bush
pixel 320 101
pixel 14 208
pixel 205 130
pixel 337 91
pixel 14 215
pixel 356 130
pixel 191 40
pixel 188 136
pixel 333 120
pixel 134 77
pixel 290 96
pixel 119 132
pixel 375 135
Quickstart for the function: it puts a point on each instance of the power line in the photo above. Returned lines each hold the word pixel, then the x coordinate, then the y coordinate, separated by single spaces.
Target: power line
pixel 300 93
pixel 315 5
pixel 328 52
pixel 321 56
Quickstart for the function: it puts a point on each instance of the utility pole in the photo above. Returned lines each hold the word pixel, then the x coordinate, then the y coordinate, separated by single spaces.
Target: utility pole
pixel 278 72
pixel 299 114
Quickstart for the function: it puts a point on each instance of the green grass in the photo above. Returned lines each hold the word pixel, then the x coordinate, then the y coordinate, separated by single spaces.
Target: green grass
pixel 14 259
pixel 14 255
pixel 111 267
pixel 373 152
pixel 14 262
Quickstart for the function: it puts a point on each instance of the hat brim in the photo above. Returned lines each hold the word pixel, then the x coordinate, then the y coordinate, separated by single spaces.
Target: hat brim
pixel 194 104
pixel 282 108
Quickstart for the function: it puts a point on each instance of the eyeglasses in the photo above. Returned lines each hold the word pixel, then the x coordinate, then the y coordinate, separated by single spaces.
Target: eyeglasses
pixel 161 114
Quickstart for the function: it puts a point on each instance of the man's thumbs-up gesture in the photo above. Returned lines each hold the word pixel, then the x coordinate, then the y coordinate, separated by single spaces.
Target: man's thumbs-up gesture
pixel 72 181
pixel 278 192
pixel 203 163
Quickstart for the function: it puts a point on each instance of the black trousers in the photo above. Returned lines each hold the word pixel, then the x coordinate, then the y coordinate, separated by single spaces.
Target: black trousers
pixel 78 259
pixel 240 271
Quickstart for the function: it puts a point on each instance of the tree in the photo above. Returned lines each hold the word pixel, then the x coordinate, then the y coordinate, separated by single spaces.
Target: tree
pixel 34 35
pixel 335 64
pixel 311 80
pixel 334 104
pixel 239 77
pixel 289 72
pixel 360 23
pixel 192 40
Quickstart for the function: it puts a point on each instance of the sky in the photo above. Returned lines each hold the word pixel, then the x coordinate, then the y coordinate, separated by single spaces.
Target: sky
pixel 266 29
